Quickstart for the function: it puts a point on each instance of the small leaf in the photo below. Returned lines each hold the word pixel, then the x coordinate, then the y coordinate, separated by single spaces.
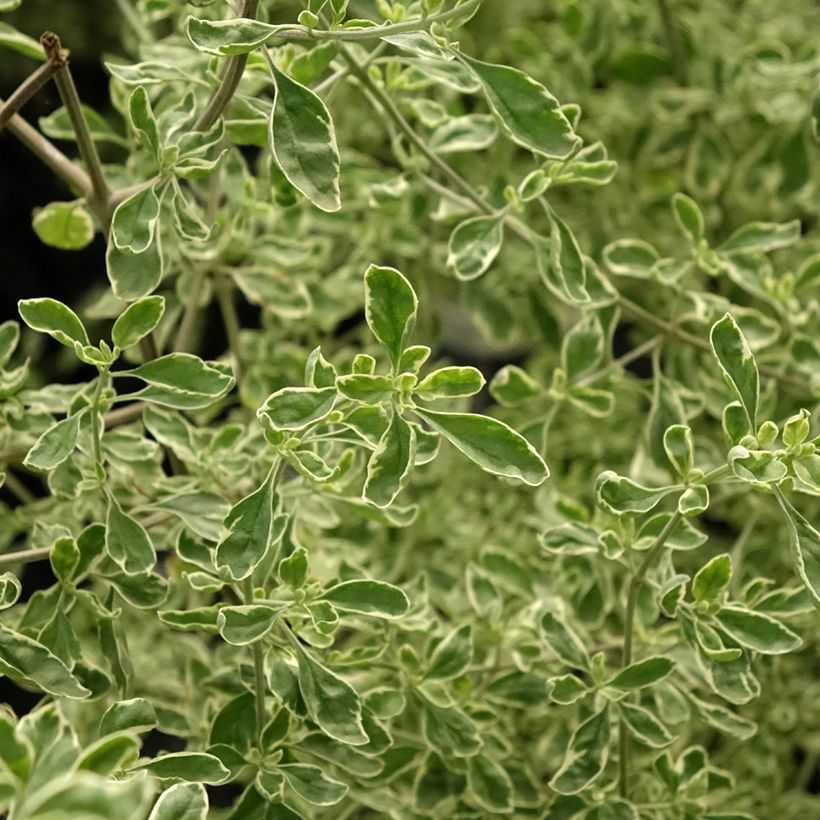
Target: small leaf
pixel 366 388
pixel 524 109
pixel 645 726
pixel 183 801
pixel 804 543
pixel 450 732
pixel 390 308
pixel 126 541
pixel 452 656
pixel 55 445
pixel 643 673
pixel 374 598
pixel 631 257
pixel 38 665
pixel 567 689
pixel 182 380
pixel 250 523
pixel 712 579
pixel 689 218
pixel 762 237
pixel 737 363
pixel 303 142
pixel 243 625
pixel 134 275
pixel 192 767
pixel 225 38
pixel 677 442
pixel 11 38
pixel 564 642
pixel 50 316
pixel 586 755
pixel 620 495
pixel 757 631
pixel 389 467
pixel 583 347
pixel 474 245
pixel 10 590
pixel 491 444
pixel 135 715
pixel 134 224
pixel 293 570
pixel 449 383
pixel 331 702
pixel 64 225
pixel 295 408
pixel 567 261
pixel 490 785
pixel 511 386
pixel 312 784
pixel 137 321
pixel 143 121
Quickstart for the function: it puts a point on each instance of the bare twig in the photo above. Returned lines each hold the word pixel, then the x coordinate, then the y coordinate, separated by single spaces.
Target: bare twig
pixel 26 90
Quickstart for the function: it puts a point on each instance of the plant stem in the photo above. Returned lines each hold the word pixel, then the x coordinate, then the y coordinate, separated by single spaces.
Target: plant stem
pixel 75 178
pixel 258 666
pixel 227 307
pixel 26 90
pixel 621 361
pixel 9 559
pixel 230 79
pixel 15 486
pixel 99 195
pixel 635 587
pixel 186 327
pixel 96 429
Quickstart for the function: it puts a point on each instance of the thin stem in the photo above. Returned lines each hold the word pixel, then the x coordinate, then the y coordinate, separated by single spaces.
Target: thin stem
pixel 621 361
pixel 227 307
pixel 186 327
pixel 75 178
pixel 9 559
pixel 26 90
pixel 234 70
pixel 96 429
pixel 258 666
pixel 15 486
pixel 635 587
pixel 63 79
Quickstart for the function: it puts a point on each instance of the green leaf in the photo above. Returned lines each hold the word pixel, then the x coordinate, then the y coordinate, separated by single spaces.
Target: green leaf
pixel 224 38
pixel 631 257
pixel 375 598
pixel 295 408
pixel 331 702
pixel 563 641
pixel 737 363
pixel 583 347
pixel 391 463
pixel 524 109
pixel 134 275
pixel 689 218
pixel 50 316
pixel 474 245
pixel 10 590
pixel 470 132
pixel 11 38
pixel 303 142
pixel 182 380
pixel 202 512
pixel 712 579
pixel 757 631
pixel 23 657
pixel 586 755
pixel 366 388
pixel 109 754
pixel 677 442
pixel 183 801
pixel 126 541
pixel 490 785
pixel 134 224
pixel 312 784
pixel 64 225
pixel 511 386
pixel 143 121
pixel 137 321
pixel 567 262
pixel 491 444
pixel 620 495
pixel 192 767
pixel 452 656
pixel 567 689
pixel 450 732
pixel 643 673
pixel 450 383
pixel 243 625
pixel 293 570
pixel 250 523
pixel 136 715
pixel 55 445
pixel 645 726
pixel 762 237
pixel 390 307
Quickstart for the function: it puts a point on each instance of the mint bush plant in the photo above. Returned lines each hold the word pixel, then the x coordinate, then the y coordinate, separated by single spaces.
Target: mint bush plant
pixel 326 571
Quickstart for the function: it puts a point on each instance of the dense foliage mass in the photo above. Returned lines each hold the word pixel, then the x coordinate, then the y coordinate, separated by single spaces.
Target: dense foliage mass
pixel 327 574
